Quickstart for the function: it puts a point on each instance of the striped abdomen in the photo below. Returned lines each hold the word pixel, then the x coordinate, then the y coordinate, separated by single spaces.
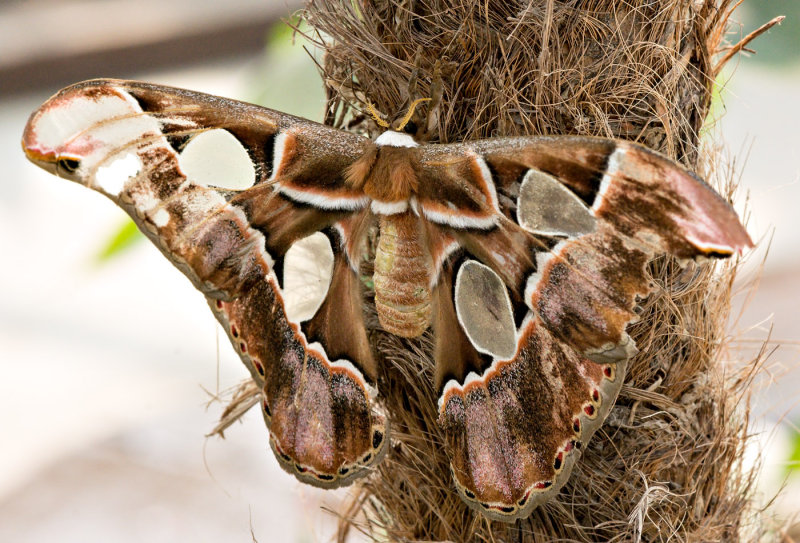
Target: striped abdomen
pixel 403 266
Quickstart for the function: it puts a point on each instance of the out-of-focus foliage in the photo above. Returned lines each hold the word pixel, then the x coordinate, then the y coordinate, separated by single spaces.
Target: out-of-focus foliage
pixel 287 78
pixel 779 46
pixel 123 238
pixel 793 461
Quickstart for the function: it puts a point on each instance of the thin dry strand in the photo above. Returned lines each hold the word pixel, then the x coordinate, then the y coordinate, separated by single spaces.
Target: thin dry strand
pixel 667 464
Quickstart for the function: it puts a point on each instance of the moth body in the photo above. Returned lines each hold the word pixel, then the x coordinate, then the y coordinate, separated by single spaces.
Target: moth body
pixel 388 173
pixel 402 276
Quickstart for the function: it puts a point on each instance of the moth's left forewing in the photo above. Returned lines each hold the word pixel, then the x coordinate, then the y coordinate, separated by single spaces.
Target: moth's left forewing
pixel 610 206
pixel 125 139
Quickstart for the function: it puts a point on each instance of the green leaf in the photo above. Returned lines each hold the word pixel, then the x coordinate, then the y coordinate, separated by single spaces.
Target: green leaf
pixel 793 462
pixel 126 236
pixel 281 34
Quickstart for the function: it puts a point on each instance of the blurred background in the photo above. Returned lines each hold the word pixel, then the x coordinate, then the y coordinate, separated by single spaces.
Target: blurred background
pixel 110 360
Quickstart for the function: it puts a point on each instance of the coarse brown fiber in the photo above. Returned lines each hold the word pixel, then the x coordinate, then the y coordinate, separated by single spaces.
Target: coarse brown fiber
pixel 666 466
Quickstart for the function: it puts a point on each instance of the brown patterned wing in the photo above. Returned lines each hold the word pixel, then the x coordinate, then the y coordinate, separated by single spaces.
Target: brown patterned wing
pixel 124 139
pixel 609 206
pixel 513 431
pixel 575 222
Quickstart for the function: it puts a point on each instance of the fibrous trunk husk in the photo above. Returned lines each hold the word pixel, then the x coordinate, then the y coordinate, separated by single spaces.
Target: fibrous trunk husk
pixel 666 466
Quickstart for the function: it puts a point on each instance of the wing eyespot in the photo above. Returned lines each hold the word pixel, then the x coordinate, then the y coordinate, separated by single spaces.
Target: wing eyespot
pixel 377 439
pixel 69 165
pixel 558 462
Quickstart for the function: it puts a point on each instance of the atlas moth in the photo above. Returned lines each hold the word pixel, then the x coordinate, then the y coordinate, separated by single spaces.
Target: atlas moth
pixel 523 256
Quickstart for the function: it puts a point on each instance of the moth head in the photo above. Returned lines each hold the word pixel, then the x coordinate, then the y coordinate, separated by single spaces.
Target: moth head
pixel 402 123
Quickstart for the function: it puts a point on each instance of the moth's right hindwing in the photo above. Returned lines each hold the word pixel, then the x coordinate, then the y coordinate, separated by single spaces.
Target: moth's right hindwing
pixel 123 139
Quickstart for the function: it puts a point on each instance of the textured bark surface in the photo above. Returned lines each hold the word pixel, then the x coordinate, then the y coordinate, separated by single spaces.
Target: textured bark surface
pixel 667 464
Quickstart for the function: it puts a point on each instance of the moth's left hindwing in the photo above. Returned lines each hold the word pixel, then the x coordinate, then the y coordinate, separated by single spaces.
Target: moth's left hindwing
pixel 317 377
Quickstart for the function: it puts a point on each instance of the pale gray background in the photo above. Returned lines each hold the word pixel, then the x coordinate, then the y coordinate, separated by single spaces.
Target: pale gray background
pixel 104 370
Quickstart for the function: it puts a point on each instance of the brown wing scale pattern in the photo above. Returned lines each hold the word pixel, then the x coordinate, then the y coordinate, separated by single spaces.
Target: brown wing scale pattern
pixel 514 425
pixel 513 431
pixel 325 427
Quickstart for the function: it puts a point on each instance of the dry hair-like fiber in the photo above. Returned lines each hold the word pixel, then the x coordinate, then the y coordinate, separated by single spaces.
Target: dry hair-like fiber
pixel 666 466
